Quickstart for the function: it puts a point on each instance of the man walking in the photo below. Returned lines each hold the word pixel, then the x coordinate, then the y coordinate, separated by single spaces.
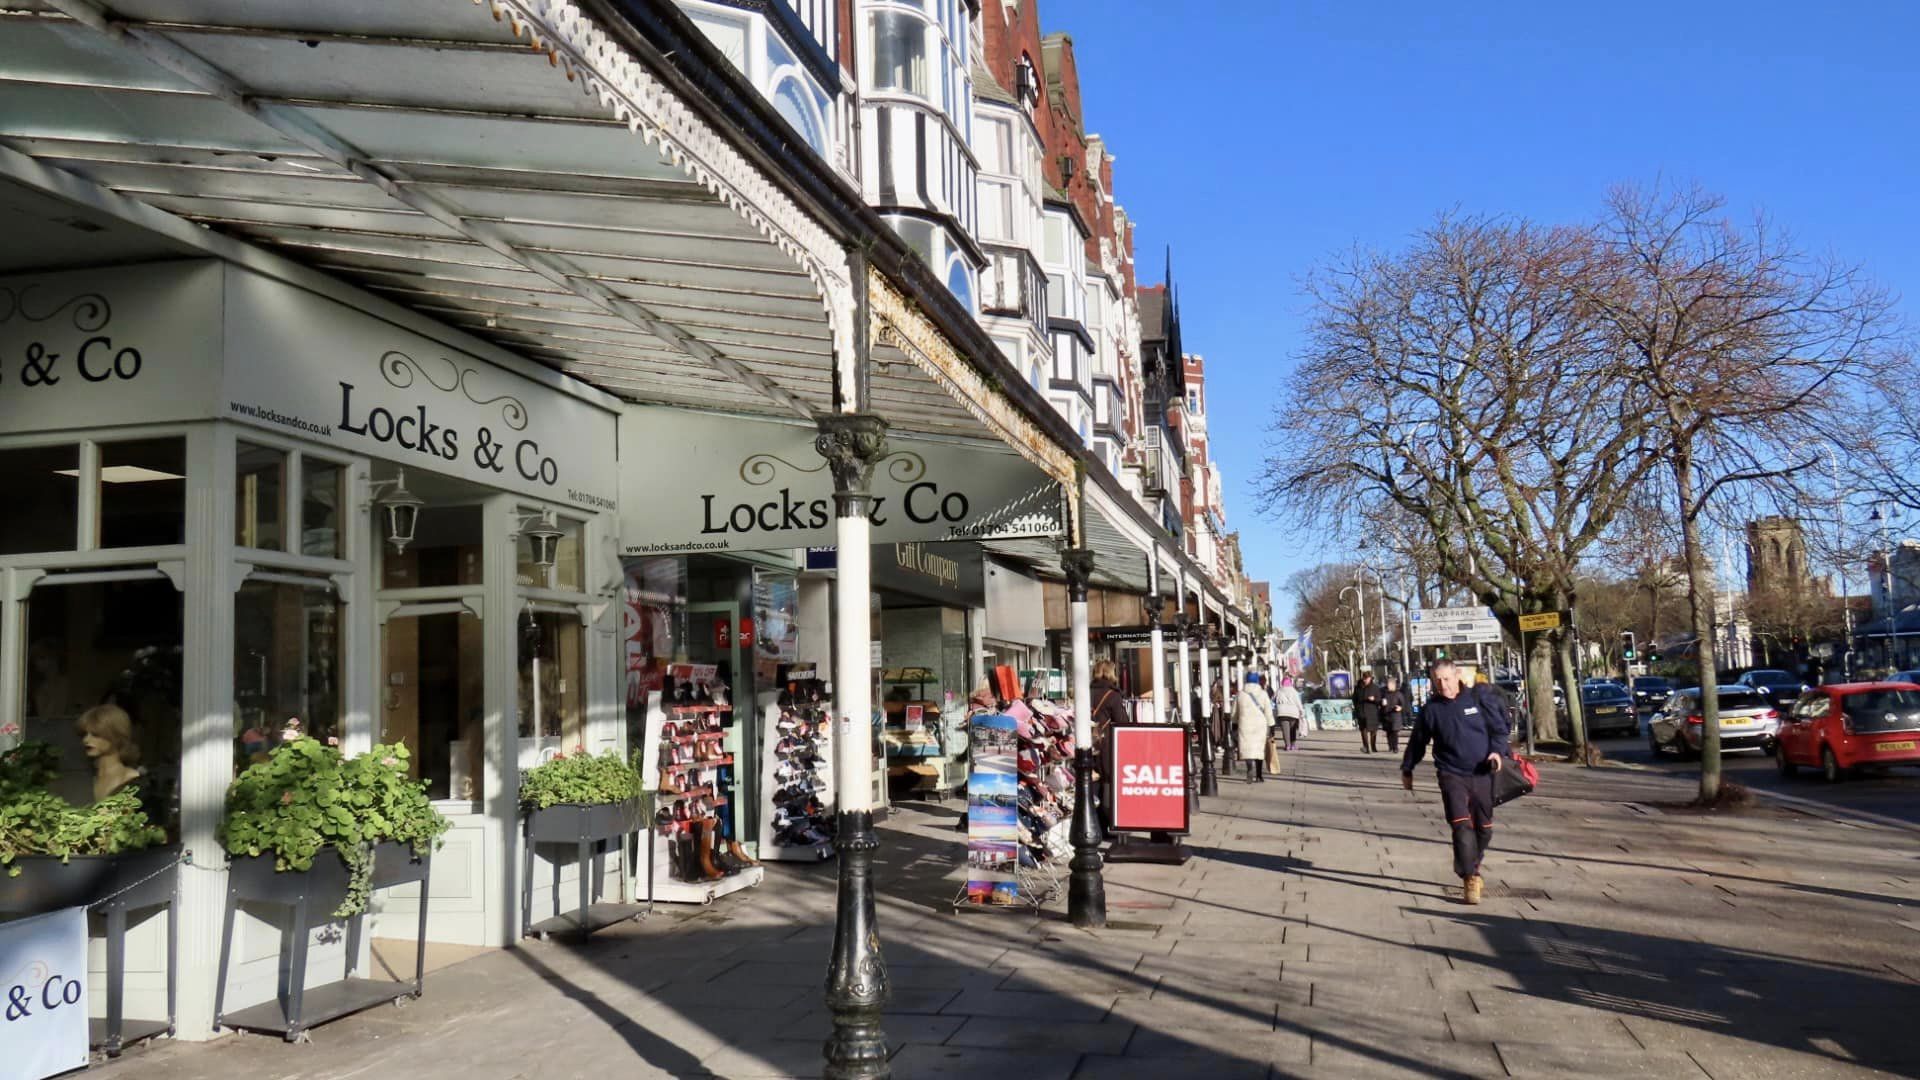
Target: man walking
pixel 1468 730
pixel 1393 713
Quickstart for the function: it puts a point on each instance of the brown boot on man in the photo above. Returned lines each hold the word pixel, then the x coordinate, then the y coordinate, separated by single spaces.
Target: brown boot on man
pixel 1473 888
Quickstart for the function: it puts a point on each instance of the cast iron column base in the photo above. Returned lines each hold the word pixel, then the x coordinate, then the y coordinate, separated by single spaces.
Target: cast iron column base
pixel 1209 777
pixel 1086 888
pixel 857 974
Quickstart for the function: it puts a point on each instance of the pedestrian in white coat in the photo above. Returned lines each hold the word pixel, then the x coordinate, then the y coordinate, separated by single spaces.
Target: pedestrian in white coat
pixel 1252 719
pixel 1287 712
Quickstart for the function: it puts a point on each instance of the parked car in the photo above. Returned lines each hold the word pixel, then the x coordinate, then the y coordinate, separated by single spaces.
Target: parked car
pixel 1748 721
pixel 1782 688
pixel 1905 677
pixel 1650 693
pixel 1851 725
pixel 1608 709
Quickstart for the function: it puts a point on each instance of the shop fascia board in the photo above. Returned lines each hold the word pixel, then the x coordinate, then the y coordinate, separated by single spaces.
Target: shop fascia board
pixel 197 240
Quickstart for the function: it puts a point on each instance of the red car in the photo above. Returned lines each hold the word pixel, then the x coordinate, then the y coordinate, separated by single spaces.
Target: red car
pixel 1839 728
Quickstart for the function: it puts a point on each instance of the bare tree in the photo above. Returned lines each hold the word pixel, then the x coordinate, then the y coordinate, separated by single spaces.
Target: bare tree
pixel 1740 350
pixel 1466 385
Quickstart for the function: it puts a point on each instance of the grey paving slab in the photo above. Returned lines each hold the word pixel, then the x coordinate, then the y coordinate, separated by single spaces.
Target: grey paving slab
pixel 1019 1004
pixel 974 1062
pixel 1545 1060
pixel 900 1029
pixel 1212 1066
pixel 1336 1055
pixel 1043 1033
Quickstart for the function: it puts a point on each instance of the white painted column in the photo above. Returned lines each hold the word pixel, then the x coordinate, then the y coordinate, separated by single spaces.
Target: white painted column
pixel 1082 671
pixel 1156 647
pixel 852 664
pixel 500 723
pixel 1184 684
pixel 206 717
pixel 1206 672
pixel 976 648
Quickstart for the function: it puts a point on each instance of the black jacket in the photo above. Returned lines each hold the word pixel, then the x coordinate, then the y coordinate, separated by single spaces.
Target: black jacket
pixel 1366 703
pixel 1393 708
pixel 1463 731
pixel 1108 703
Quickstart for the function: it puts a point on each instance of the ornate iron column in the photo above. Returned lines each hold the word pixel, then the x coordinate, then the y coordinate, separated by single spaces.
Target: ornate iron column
pixel 857 988
pixel 1156 648
pixel 1086 889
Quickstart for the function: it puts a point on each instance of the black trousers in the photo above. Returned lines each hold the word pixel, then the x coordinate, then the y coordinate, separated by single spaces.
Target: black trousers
pixel 1393 737
pixel 1468 800
pixel 1290 731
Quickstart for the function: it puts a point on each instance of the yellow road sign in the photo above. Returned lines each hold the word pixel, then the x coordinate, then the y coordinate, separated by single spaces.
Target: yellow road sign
pixel 1546 620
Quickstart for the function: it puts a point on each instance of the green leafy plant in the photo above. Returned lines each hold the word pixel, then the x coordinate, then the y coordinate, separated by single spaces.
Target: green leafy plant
pixel 308 797
pixel 580 779
pixel 35 821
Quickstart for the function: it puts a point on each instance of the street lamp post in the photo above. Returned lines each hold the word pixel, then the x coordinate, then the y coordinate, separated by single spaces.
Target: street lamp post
pixel 1209 778
pixel 1086 888
pixel 1886 577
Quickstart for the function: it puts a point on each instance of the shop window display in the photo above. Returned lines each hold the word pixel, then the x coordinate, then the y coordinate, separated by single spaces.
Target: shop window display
pixel 259 497
pixel 286 665
pixel 143 493
pixel 43 497
pixel 551 711
pixel 433 699
pixel 323 495
pixel 113 643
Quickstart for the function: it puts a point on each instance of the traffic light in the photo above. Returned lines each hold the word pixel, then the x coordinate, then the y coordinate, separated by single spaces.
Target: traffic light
pixel 1627 644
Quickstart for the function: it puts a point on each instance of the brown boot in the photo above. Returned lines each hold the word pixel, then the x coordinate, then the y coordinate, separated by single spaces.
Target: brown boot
pixel 740 853
pixel 707 866
pixel 1473 887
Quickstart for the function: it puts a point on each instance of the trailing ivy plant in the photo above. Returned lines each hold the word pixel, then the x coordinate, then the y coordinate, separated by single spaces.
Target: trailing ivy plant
pixel 307 797
pixel 581 779
pixel 35 821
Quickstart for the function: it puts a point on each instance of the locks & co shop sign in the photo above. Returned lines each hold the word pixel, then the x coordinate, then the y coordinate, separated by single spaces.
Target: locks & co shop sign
pixel 43 995
pixel 712 482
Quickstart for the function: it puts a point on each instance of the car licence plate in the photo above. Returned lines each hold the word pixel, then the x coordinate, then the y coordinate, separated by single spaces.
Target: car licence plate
pixel 1732 722
pixel 1886 747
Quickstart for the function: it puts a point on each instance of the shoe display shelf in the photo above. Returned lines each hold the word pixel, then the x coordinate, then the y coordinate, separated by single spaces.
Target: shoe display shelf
pixel 796 824
pixel 1046 798
pixel 690 861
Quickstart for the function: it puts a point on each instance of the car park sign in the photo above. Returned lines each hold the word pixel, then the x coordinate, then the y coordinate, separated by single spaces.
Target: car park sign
pixel 1453 626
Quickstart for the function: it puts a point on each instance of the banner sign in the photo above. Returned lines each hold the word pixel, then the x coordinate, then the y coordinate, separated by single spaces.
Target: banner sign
pixel 993 810
pixel 696 481
pixel 1453 626
pixel 1149 770
pixel 43 977
pixel 198 339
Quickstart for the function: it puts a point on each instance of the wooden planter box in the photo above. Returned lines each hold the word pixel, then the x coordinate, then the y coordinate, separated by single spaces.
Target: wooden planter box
pixel 313 895
pixel 588 828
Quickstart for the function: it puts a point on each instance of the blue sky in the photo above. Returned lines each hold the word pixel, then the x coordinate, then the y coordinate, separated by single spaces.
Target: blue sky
pixel 1257 138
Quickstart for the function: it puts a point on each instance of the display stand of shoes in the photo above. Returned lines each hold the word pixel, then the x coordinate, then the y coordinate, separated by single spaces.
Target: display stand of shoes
pixel 797 772
pixel 691 773
pixel 1046 799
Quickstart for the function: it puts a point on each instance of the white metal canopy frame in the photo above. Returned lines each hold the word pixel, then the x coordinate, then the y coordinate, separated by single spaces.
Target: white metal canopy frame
pixel 477 162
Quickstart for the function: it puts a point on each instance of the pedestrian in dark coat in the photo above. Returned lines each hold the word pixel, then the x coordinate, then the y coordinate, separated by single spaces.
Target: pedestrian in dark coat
pixel 1109 703
pixel 1393 713
pixel 1366 712
pixel 1467 727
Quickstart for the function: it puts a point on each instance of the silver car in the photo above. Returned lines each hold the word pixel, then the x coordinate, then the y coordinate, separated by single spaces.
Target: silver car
pixel 1748 721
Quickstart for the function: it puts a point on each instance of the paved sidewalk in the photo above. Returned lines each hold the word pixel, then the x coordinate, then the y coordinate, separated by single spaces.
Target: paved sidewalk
pixel 1316 933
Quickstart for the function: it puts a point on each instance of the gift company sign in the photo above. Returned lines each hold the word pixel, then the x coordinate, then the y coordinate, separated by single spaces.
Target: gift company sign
pixel 43 995
pixel 708 482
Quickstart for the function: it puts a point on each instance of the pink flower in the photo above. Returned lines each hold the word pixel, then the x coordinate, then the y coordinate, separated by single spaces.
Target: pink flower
pixel 286 798
pixel 390 761
pixel 333 740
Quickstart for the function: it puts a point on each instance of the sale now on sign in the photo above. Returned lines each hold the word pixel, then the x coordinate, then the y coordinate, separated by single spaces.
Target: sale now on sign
pixel 1149 771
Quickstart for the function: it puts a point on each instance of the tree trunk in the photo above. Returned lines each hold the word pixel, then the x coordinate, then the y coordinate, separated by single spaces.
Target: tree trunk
pixel 1570 675
pixel 1546 726
pixel 1700 605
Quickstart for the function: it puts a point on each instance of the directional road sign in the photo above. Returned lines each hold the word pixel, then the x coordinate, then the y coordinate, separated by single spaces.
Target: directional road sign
pixel 1454 626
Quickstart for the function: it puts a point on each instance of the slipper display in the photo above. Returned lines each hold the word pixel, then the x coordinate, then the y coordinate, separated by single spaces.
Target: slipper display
pixel 696 788
pixel 798 759
pixel 1046 782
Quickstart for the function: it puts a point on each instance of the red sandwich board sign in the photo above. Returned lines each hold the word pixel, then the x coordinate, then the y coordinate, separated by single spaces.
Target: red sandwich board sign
pixel 1148 764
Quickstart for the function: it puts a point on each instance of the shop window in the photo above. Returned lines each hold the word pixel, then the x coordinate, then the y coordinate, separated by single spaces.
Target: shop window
pixel 433 701
pixel 899 52
pixel 143 493
pixel 445 550
pixel 551 678
pixel 569 569
pixel 654 627
pixel 259 497
pixel 43 498
pixel 107 643
pixel 323 498
pixel 286 665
